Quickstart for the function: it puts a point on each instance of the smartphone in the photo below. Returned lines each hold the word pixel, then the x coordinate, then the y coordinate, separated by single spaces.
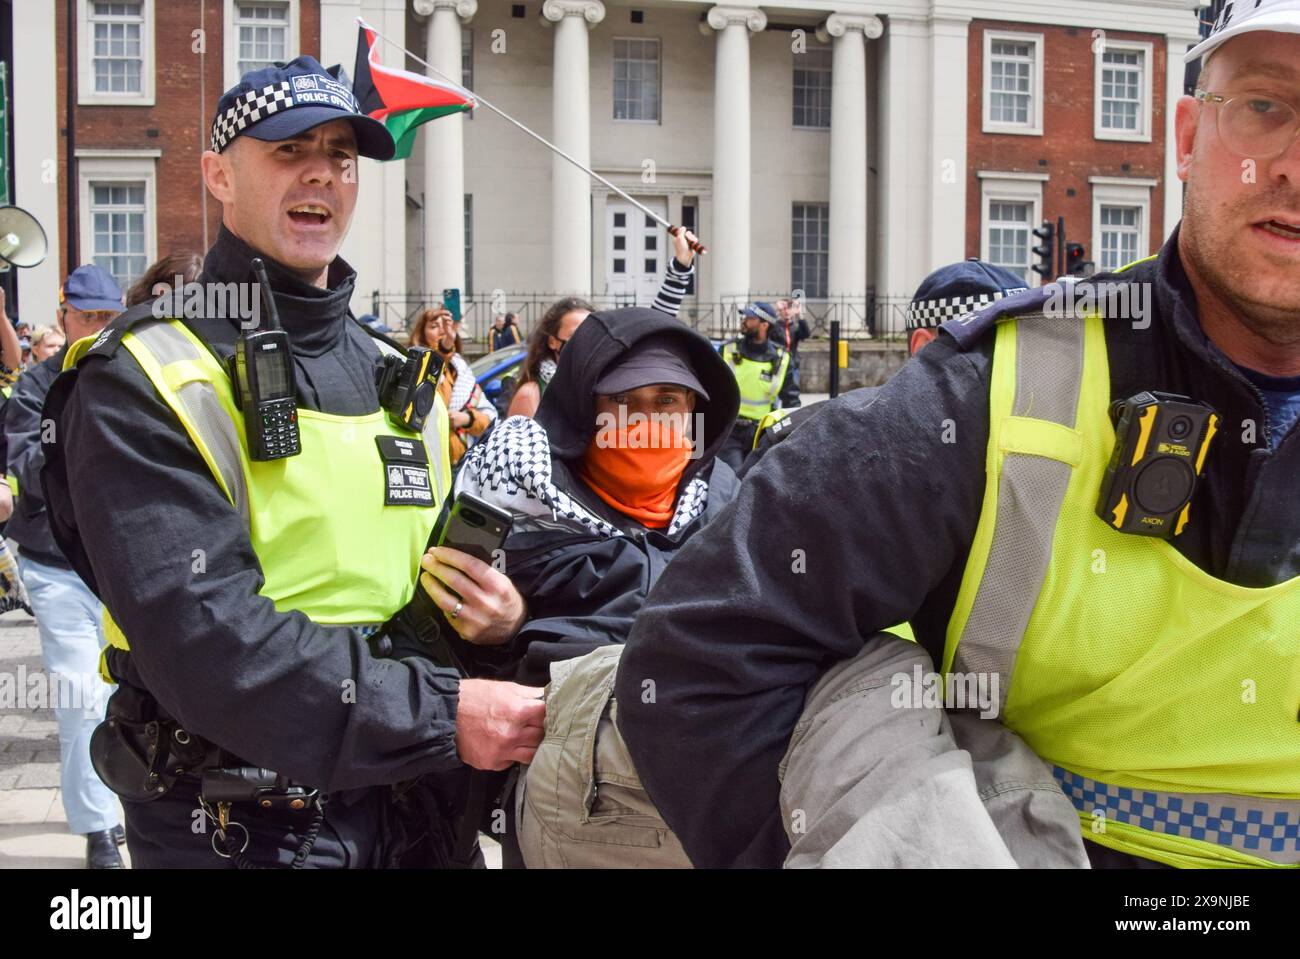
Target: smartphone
pixel 451 300
pixel 475 527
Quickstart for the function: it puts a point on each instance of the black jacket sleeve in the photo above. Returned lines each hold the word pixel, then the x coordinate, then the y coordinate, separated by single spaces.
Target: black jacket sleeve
pixel 172 560
pixel 22 426
pixel 862 518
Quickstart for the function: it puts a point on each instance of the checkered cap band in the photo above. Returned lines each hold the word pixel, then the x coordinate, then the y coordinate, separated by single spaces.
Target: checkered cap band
pixel 256 105
pixel 1266 828
pixel 937 312
pixel 251 107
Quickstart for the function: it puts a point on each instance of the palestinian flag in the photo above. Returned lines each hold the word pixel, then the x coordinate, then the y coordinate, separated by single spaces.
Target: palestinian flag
pixel 399 99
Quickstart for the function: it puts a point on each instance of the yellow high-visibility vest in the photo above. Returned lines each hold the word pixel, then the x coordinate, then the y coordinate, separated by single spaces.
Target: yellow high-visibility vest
pixel 759 380
pixel 328 545
pixel 1164 698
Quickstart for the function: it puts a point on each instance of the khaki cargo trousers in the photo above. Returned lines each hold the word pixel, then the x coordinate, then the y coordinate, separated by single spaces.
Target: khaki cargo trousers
pixel 864 782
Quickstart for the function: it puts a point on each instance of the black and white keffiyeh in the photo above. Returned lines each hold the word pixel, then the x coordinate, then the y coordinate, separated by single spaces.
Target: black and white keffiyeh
pixel 512 470
pixel 463 388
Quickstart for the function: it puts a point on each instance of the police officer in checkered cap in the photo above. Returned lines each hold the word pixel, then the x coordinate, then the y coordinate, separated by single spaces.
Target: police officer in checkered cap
pixel 952 291
pixel 949 292
pixel 277 665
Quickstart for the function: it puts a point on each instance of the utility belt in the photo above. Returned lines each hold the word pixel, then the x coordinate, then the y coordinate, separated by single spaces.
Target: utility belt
pixel 141 754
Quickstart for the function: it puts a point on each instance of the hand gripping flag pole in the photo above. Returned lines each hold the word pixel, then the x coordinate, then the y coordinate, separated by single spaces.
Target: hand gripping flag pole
pixel 695 245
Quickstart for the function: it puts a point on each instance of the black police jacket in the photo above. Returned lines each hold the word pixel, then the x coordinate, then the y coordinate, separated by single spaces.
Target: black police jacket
pixel 884 511
pixel 131 499
pixel 29 526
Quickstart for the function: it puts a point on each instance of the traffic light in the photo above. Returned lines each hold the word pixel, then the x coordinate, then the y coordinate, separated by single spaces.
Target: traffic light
pixel 1075 264
pixel 1046 253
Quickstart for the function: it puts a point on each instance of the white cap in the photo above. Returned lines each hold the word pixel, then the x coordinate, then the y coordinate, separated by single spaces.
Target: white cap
pixel 1245 16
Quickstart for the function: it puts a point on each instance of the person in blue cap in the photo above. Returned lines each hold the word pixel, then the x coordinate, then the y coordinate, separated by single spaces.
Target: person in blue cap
pixel 762 370
pixel 67 613
pixel 273 655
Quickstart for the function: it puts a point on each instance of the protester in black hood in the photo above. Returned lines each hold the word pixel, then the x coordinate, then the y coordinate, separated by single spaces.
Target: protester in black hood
pixel 596 518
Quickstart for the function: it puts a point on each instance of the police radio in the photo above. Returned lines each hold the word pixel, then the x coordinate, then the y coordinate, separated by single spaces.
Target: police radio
pixel 265 387
pixel 1161 441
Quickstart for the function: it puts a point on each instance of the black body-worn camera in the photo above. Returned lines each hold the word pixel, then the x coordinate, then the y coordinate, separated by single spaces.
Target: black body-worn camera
pixel 261 370
pixel 1161 441
pixel 407 386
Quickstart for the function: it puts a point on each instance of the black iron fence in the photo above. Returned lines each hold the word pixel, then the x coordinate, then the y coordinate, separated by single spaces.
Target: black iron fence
pixel 872 317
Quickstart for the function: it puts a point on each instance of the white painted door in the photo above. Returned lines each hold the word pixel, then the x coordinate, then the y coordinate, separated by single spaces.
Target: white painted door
pixel 635 250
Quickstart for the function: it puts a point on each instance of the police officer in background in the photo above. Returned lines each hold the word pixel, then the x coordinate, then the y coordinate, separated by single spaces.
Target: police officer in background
pixel 972 498
pixel 762 369
pixel 264 624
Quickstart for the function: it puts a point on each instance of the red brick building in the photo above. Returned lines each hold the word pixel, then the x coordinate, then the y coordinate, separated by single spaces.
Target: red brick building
pixel 1065 122
pixel 141 124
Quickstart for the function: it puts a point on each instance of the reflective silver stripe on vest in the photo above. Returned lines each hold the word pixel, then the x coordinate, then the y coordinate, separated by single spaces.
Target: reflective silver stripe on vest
pixel 1265 828
pixel 1049 372
pixel 199 397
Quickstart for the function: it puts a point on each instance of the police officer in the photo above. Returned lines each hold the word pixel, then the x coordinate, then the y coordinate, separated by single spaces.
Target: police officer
pixel 761 368
pixel 964 499
pixel 267 639
pixel 946 294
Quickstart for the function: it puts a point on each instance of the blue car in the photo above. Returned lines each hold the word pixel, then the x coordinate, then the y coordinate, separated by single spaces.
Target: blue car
pixel 498 373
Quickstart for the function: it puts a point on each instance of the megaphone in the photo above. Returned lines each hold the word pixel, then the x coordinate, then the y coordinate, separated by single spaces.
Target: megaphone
pixel 22 241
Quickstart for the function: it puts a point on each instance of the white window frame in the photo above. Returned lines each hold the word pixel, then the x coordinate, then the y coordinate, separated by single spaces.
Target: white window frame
pixel 825 51
pixel 659 101
pixel 1145 109
pixel 1036 94
pixel 230 35
pixel 1121 191
pixel 1005 187
pixel 86 93
pixel 830 239
pixel 107 166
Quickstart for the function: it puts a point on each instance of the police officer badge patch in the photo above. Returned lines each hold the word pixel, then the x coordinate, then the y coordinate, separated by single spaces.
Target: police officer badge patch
pixel 406 471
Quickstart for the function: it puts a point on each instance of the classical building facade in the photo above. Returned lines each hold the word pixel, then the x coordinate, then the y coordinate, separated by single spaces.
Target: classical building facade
pixel 841 148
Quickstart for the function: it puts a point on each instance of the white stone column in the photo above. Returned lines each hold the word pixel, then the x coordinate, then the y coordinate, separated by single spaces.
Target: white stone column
pixel 729 246
pixel 902 242
pixel 571 250
pixel 376 242
pixel 947 172
pixel 1175 70
pixel 847 260
pixel 35 147
pixel 444 151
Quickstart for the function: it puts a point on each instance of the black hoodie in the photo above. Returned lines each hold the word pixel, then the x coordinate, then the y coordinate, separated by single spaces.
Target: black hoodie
pixel 584 568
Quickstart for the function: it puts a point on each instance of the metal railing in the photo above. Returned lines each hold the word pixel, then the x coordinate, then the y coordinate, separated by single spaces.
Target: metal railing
pixel 869 317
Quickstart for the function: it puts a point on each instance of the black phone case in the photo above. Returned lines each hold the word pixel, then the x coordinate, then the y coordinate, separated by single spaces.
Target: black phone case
pixel 480 540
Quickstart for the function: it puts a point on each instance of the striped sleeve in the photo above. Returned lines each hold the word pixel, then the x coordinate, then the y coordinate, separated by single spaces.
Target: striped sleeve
pixel 673 289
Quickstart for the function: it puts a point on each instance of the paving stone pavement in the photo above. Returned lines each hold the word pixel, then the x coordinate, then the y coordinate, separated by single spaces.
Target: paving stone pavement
pixel 33 829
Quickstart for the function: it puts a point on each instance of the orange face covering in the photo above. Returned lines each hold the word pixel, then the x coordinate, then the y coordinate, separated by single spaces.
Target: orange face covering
pixel 637 470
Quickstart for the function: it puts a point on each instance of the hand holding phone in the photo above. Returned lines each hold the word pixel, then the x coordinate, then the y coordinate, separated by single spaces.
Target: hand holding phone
pixel 459 575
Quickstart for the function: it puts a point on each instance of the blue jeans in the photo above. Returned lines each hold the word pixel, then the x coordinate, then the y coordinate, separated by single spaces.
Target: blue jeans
pixel 68 617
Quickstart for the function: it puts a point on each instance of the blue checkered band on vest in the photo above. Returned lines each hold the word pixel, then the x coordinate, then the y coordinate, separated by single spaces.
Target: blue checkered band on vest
pixel 937 312
pixel 1269 829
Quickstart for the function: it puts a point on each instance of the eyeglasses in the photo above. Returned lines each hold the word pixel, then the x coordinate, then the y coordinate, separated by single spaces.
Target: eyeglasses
pixel 1255 124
